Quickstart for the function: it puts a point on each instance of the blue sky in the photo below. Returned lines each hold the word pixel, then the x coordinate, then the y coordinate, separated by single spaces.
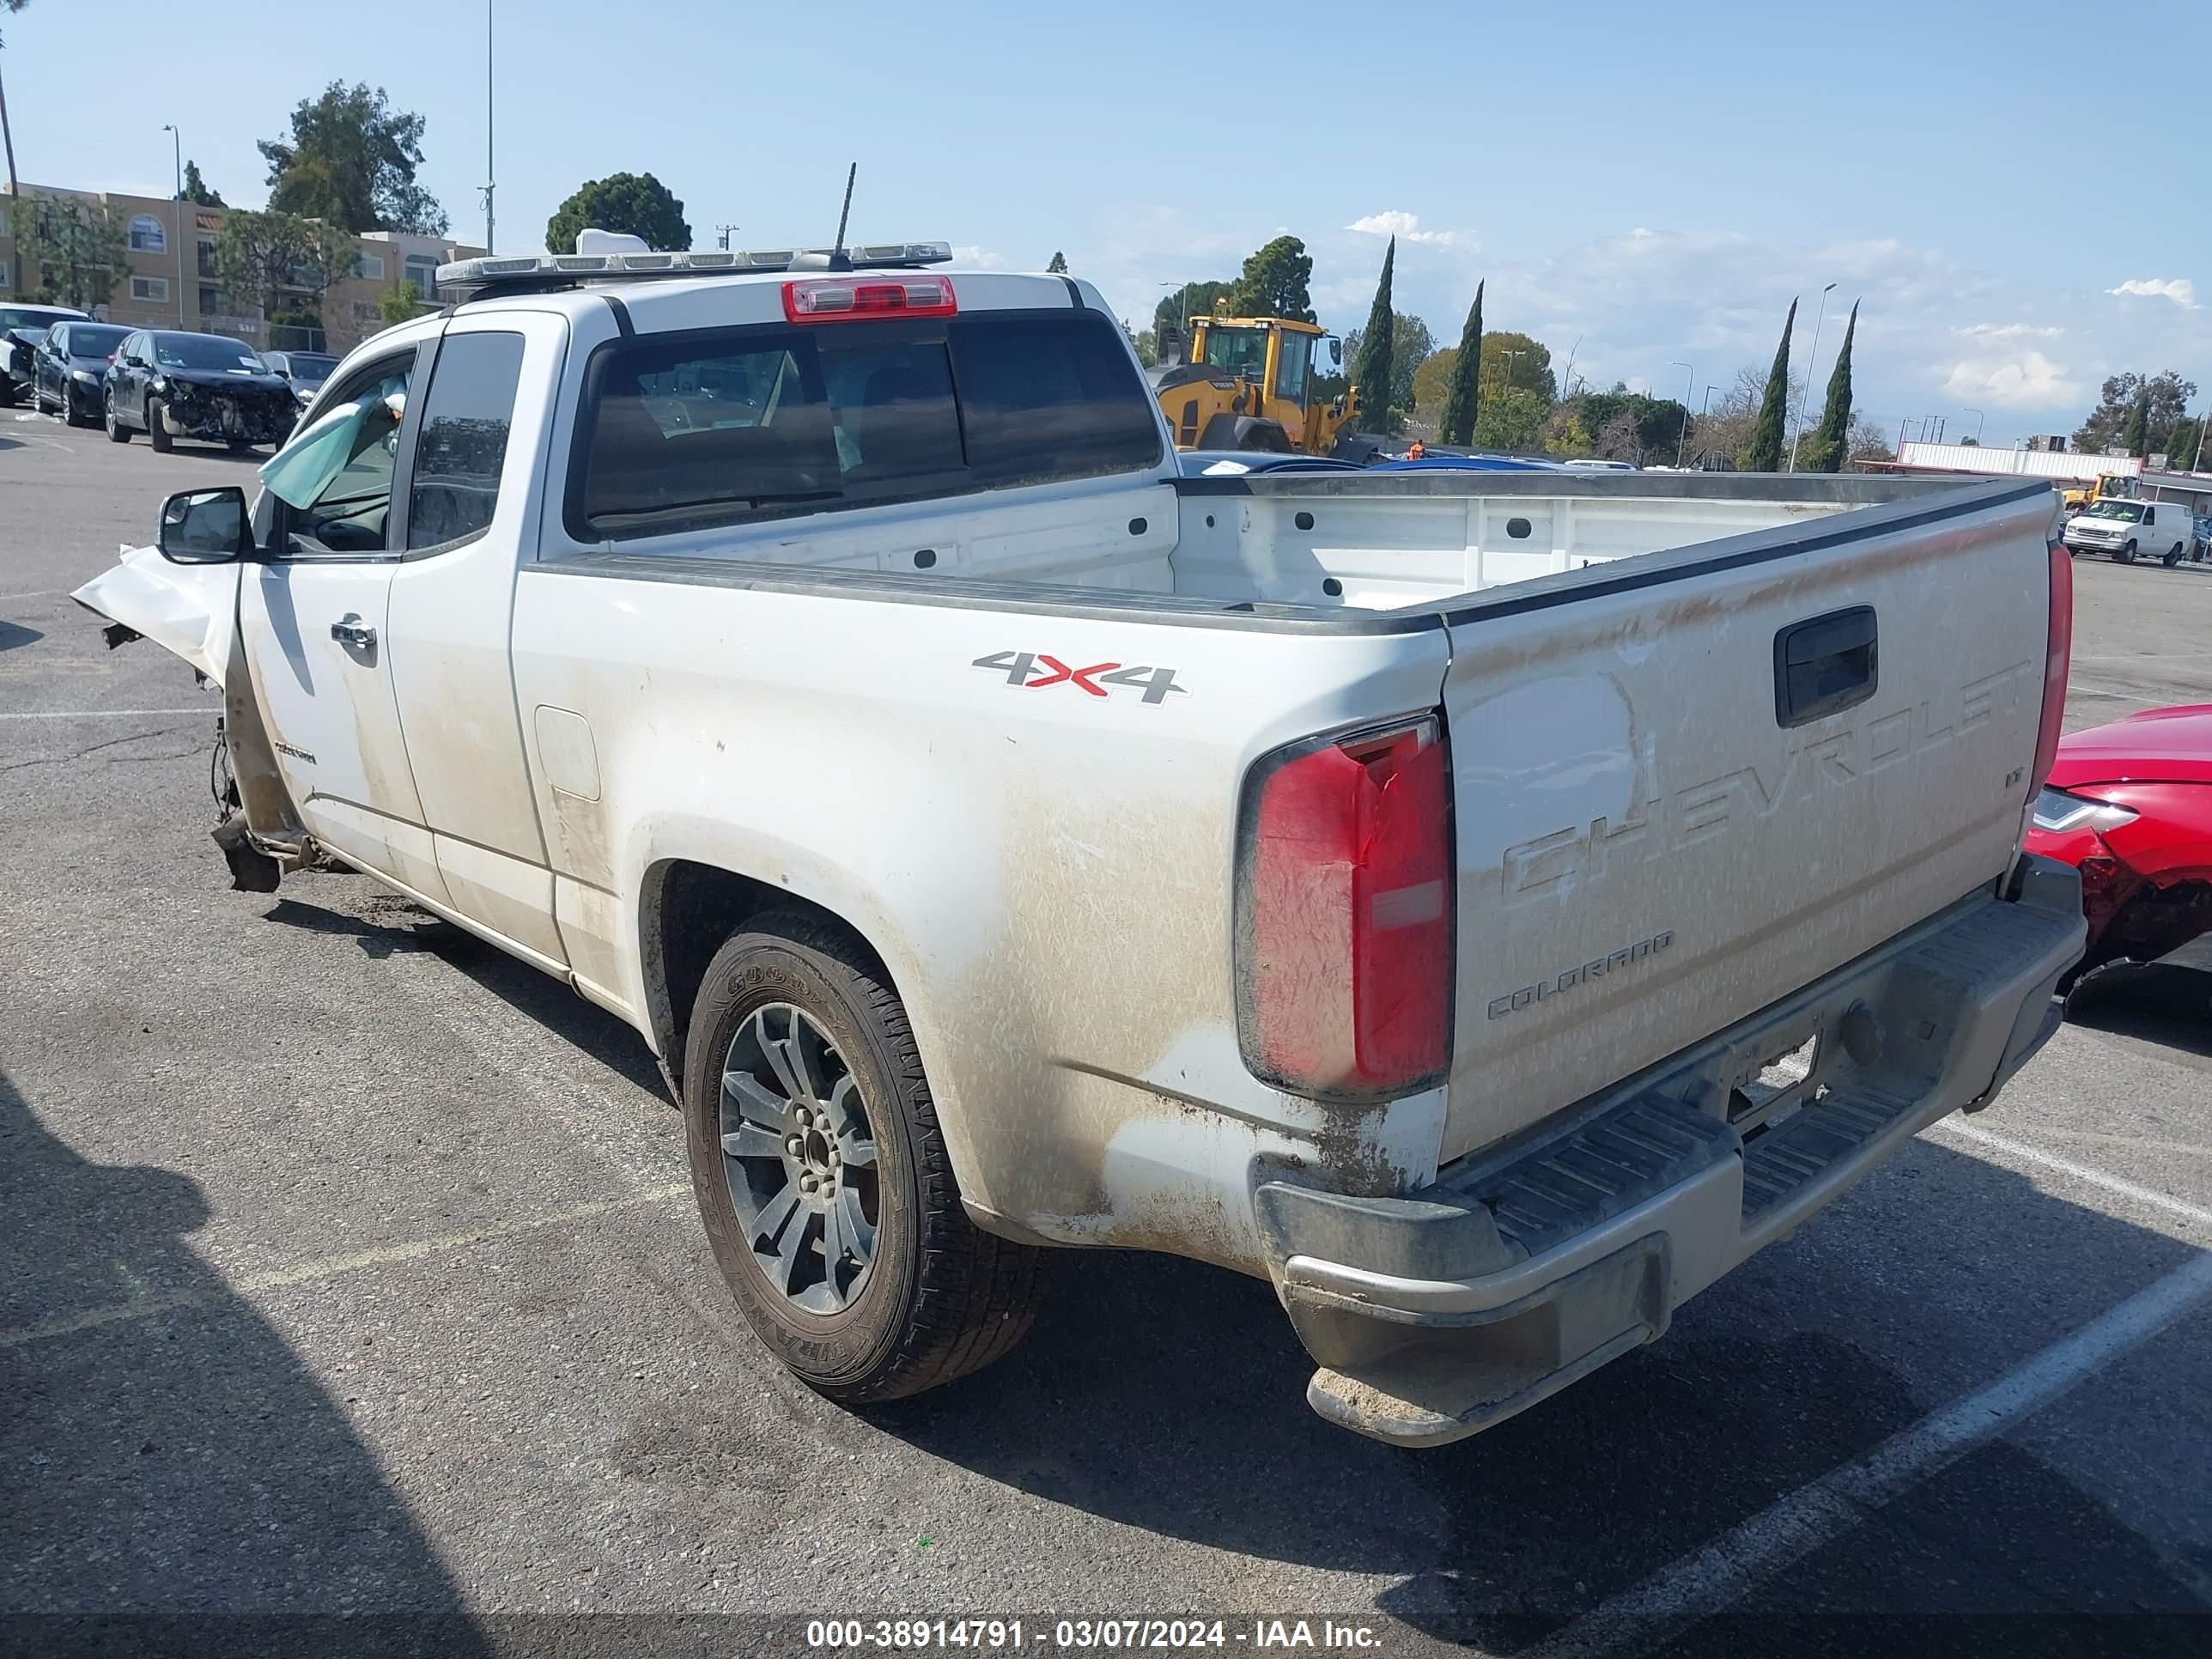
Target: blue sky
pixel 1656 182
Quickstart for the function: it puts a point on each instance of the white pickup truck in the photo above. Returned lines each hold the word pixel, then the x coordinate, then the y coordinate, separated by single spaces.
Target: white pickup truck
pixel 1488 906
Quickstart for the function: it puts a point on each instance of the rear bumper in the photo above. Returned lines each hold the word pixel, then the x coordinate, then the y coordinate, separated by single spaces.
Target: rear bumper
pixel 1526 1267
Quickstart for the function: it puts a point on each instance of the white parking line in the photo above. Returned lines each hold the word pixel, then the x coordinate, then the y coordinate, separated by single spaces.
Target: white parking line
pixel 35 594
pixel 2082 1172
pixel 99 713
pixel 1792 1528
pixel 328 1268
pixel 1709 1579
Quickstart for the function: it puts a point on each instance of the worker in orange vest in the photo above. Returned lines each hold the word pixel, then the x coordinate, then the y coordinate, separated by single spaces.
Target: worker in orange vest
pixel 1416 449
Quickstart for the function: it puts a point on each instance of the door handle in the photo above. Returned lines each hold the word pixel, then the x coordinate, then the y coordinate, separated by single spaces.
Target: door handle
pixel 350 629
pixel 1826 665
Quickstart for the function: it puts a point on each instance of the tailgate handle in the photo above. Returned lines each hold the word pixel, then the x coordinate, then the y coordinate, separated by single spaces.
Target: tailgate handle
pixel 1824 665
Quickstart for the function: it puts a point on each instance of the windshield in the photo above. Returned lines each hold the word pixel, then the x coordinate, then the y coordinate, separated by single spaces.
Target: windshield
pixel 309 369
pixel 92 340
pixel 38 316
pixel 2126 512
pixel 1240 351
pixel 204 351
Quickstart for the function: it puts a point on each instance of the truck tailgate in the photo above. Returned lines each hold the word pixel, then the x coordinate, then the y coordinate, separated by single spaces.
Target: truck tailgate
pixel 1655 841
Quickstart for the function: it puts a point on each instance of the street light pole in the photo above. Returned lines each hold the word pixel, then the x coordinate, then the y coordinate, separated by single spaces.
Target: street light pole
pixel 1978 418
pixel 177 147
pixel 1812 362
pixel 1682 443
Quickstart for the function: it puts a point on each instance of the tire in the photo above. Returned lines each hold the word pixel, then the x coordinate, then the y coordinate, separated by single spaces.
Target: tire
pixel 2173 556
pixel 2126 555
pixel 156 434
pixel 936 1298
pixel 72 415
pixel 117 432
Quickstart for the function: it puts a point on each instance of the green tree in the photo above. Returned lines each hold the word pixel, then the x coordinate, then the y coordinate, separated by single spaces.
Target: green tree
pixel 1273 283
pixel 1629 425
pixel 1412 350
pixel 2169 400
pixel 1462 401
pixel 2183 450
pixel 1764 452
pixel 1059 265
pixel 1371 358
pixel 1512 420
pixel 1511 358
pixel 1825 450
pixel 1564 434
pixel 1191 300
pixel 635 202
pixel 2136 434
pixel 351 160
pixel 264 257
pixel 77 246
pixel 196 189
pixel 398 305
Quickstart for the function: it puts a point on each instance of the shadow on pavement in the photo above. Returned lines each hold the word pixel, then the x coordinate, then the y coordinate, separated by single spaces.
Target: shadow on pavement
pixel 392 924
pixel 180 1460
pixel 1170 1397
pixel 13 634
pixel 2170 1006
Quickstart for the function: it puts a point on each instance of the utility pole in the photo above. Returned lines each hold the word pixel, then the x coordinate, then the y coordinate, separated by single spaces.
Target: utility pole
pixel 726 230
pixel 1811 363
pixel 177 145
pixel 491 172
pixel 1682 443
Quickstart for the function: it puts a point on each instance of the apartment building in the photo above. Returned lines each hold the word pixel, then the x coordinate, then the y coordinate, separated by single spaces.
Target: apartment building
pixel 171 281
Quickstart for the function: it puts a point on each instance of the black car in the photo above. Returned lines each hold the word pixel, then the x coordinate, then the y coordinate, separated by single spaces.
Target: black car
pixel 70 370
pixel 175 385
pixel 22 328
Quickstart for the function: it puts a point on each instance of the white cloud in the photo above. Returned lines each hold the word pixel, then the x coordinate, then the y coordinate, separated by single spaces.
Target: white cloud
pixel 980 259
pixel 2026 379
pixel 2009 331
pixel 1406 228
pixel 2179 290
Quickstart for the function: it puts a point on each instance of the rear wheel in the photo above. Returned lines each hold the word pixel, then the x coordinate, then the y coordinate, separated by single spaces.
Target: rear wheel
pixel 823 1178
pixel 117 432
pixel 2173 556
pixel 156 434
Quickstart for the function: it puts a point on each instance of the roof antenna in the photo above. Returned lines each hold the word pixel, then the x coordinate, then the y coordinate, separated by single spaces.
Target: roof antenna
pixel 838 258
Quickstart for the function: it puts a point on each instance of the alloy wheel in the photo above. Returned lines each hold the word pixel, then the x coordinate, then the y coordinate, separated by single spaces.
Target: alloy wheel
pixel 800 1155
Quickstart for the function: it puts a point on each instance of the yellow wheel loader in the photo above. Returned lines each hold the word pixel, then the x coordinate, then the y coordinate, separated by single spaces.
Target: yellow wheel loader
pixel 1250 383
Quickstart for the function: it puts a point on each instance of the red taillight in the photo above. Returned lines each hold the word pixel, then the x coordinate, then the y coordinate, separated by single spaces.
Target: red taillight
pixel 2058 653
pixel 1345 915
pixel 844 299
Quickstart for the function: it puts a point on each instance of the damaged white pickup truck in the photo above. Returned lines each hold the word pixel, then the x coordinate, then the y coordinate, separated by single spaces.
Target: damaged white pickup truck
pixel 1489 905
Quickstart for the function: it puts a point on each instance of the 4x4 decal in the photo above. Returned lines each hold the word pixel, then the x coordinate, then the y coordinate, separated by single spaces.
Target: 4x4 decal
pixel 1034 670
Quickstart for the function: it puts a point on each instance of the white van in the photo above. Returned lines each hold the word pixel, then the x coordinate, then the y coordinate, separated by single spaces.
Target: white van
pixel 2161 529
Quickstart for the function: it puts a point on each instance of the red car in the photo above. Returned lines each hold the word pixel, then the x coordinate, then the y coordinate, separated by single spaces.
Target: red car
pixel 2129 805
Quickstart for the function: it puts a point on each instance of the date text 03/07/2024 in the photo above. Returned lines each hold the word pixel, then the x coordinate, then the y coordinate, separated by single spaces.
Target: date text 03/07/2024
pixel 1088 1635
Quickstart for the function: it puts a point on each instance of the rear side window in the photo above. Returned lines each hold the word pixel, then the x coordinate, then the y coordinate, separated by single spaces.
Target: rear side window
pixel 465 419
pixel 721 427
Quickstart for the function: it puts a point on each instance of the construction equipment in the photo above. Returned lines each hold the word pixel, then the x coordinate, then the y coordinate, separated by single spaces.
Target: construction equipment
pixel 2109 487
pixel 1251 383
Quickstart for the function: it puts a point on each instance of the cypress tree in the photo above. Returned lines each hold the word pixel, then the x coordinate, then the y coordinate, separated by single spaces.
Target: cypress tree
pixel 1059 265
pixel 2133 437
pixel 1764 452
pixel 1370 372
pixel 1830 439
pixel 1463 394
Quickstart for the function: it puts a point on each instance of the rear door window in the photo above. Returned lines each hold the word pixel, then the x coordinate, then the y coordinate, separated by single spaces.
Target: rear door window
pixel 721 427
pixel 467 417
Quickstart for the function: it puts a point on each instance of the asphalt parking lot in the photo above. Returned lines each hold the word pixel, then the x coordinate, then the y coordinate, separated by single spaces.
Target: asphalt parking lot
pixel 351 1268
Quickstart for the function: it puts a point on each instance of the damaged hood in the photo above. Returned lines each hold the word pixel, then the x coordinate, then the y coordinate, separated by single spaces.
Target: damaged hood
pixel 224 379
pixel 189 610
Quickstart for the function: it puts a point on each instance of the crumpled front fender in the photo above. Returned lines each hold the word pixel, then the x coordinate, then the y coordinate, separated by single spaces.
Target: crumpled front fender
pixel 188 610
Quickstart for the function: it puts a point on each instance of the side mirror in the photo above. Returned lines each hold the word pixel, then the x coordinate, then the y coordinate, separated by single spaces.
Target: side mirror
pixel 204 527
pixel 1336 351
